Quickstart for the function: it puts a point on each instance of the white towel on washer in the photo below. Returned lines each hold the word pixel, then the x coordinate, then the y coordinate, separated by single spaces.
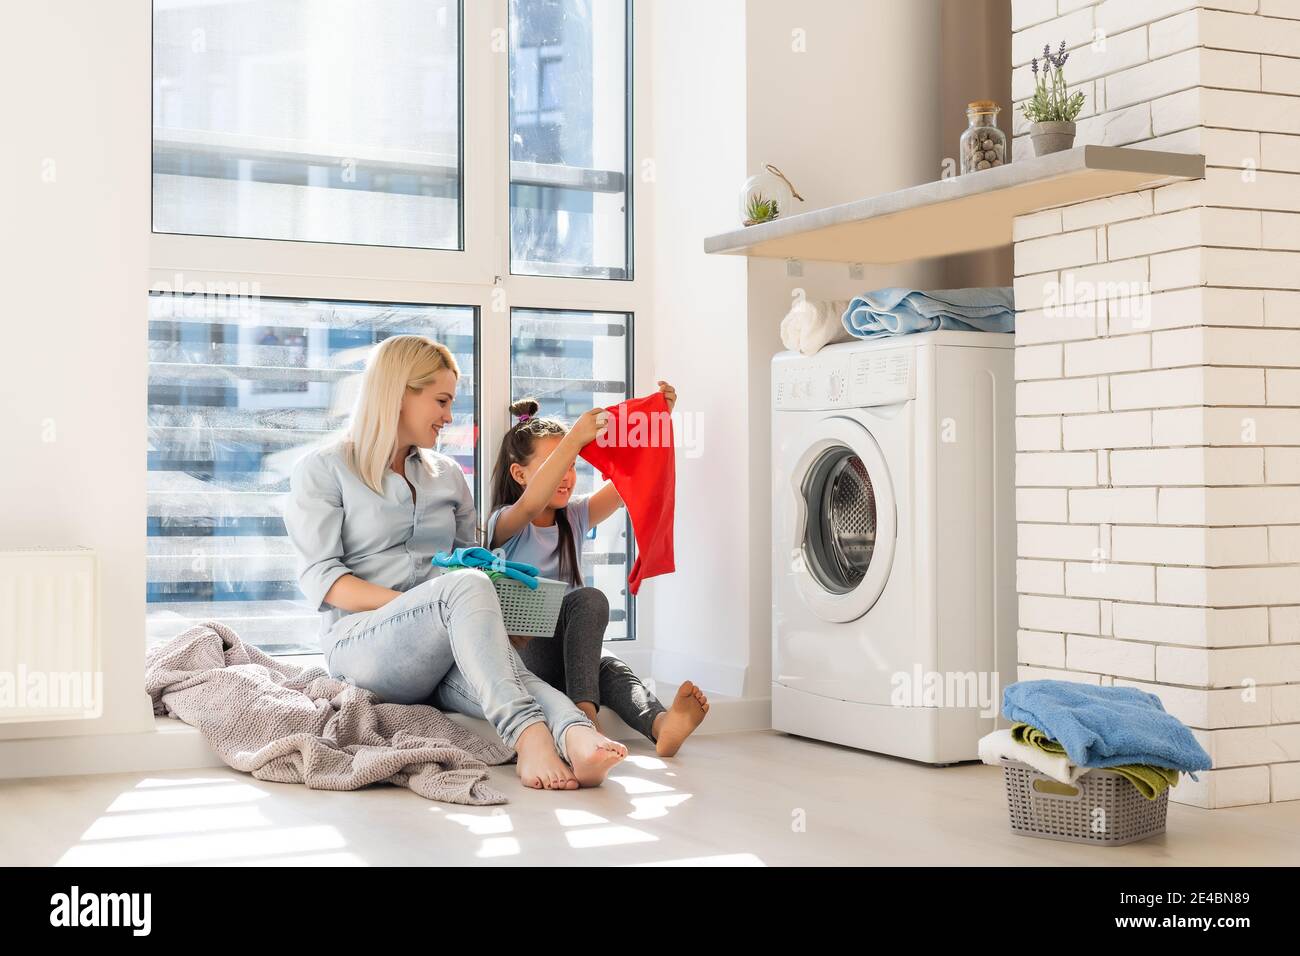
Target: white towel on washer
pixel 809 326
pixel 1000 745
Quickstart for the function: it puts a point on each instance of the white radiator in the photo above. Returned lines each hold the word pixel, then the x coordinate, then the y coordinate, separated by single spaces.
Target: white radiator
pixel 49 635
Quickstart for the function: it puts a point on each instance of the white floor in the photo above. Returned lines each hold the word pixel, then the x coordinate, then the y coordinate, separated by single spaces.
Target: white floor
pixel 757 798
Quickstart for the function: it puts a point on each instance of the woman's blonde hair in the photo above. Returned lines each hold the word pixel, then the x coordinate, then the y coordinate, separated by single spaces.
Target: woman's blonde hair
pixel 399 363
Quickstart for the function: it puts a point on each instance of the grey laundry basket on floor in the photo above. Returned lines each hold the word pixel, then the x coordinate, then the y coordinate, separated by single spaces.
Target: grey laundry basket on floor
pixel 1104 809
pixel 526 612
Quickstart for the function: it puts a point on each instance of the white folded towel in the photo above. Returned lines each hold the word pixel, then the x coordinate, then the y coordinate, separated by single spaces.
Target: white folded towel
pixel 809 326
pixel 1000 745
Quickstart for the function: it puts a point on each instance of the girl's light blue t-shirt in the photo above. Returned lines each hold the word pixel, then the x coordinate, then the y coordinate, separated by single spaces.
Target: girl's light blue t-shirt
pixel 540 547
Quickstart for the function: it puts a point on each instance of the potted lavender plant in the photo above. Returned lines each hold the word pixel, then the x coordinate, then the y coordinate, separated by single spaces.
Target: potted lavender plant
pixel 1052 109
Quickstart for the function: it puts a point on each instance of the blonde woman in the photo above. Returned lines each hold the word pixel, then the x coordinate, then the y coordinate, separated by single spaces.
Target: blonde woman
pixel 366 515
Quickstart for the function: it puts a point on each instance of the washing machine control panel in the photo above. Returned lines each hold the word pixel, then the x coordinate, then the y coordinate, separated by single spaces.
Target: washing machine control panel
pixel 845 380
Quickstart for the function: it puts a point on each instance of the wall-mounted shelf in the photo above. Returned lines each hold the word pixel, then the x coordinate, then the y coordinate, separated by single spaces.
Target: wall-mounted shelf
pixel 960 214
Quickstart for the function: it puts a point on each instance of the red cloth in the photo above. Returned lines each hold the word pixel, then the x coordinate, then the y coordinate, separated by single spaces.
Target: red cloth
pixel 636 454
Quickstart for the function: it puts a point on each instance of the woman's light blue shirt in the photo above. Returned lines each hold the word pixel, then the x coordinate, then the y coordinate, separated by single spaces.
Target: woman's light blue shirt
pixel 339 526
pixel 540 547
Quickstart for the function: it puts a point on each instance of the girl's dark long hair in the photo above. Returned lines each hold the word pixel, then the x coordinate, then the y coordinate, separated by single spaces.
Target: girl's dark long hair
pixel 517 449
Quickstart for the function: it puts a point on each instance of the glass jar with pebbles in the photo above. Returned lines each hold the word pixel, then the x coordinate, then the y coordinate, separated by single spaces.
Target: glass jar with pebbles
pixel 983 145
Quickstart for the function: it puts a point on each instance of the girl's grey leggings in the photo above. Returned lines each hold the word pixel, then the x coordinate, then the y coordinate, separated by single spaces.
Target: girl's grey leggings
pixel 575 661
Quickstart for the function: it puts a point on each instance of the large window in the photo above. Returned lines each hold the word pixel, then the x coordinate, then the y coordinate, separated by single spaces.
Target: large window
pixel 571 362
pixel 569 138
pixel 320 120
pixel 239 389
pixel 324 158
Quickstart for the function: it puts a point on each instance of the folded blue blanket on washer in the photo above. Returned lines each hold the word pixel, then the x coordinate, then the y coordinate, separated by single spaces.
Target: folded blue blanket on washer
pixel 1105 726
pixel 900 311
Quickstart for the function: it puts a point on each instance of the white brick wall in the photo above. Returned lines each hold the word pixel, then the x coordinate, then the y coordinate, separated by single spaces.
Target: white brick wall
pixel 1158 382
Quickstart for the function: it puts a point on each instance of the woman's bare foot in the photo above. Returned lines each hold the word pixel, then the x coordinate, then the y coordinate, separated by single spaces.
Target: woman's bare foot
pixel 588 708
pixel 677 723
pixel 592 754
pixel 539 766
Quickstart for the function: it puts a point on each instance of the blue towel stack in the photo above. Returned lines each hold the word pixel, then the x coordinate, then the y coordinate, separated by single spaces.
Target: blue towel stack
pixel 900 311
pixel 1105 726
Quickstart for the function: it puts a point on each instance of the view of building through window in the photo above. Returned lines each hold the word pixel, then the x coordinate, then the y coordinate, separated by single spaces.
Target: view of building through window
pixel 309 120
pixel 569 113
pixel 239 389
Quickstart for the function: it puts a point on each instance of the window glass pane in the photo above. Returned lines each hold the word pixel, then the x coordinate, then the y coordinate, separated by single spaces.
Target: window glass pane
pixel 239 389
pixel 571 362
pixel 569 108
pixel 319 120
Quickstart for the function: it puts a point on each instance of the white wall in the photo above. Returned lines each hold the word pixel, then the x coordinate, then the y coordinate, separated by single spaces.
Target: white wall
pixel 74 172
pixel 698 332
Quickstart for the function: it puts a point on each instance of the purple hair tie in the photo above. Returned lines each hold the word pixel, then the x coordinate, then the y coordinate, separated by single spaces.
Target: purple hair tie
pixel 524 418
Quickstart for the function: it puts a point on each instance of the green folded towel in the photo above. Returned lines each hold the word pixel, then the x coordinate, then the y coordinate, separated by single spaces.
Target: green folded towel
pixel 1150 781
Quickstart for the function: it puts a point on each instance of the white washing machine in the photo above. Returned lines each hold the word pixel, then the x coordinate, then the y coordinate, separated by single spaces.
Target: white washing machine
pixel 893 533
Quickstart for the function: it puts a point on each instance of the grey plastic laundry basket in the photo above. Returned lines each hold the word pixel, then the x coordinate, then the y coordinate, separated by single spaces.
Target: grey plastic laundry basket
pixel 527 612
pixel 1102 809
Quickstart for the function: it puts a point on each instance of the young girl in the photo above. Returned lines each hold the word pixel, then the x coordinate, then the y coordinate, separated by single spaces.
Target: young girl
pixel 536 520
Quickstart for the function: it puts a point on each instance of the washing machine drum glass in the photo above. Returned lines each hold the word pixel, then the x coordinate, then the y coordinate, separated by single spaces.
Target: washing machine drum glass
pixel 841 532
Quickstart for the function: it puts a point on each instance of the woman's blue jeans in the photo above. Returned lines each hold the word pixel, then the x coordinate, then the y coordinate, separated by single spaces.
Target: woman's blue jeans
pixel 443 643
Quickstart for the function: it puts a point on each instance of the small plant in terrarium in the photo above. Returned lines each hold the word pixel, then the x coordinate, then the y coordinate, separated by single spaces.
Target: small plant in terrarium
pixel 766 196
pixel 1052 101
pixel 760 208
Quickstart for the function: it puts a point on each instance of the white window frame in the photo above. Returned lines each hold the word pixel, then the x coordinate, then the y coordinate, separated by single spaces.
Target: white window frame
pixel 479 275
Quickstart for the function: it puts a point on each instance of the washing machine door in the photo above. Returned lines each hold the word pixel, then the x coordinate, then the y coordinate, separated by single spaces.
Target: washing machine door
pixel 845 523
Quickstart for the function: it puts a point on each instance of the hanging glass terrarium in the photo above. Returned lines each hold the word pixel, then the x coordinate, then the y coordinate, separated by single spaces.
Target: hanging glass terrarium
pixel 766 196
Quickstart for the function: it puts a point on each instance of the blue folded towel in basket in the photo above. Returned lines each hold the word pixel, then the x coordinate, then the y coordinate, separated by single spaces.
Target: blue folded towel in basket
pixel 485 560
pixel 900 311
pixel 1105 726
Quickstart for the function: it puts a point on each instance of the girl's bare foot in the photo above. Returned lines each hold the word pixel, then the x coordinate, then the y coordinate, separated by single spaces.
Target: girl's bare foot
pixel 591 753
pixel 539 766
pixel 588 708
pixel 673 726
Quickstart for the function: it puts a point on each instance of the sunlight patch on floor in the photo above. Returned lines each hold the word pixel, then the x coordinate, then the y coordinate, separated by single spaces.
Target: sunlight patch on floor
pixel 498 846
pixel 173 798
pixel 262 842
pixel 638 785
pixel 497 821
pixel 577 818
pixel 649 808
pixel 646 762
pixel 162 822
pixel 148 823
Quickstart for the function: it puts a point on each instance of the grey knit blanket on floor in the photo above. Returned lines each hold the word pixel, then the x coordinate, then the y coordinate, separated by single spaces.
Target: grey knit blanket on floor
pixel 291 724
